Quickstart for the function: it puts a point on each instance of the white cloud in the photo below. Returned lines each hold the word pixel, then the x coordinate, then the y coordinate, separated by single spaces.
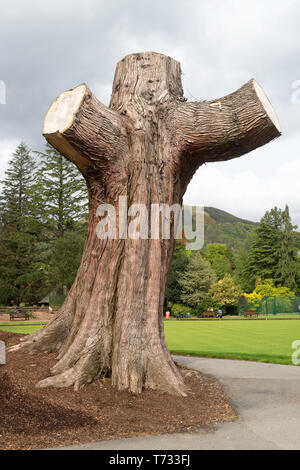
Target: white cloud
pixel 220 44
pixel 247 194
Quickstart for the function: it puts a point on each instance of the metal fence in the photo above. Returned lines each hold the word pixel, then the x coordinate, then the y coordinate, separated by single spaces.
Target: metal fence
pixel 272 305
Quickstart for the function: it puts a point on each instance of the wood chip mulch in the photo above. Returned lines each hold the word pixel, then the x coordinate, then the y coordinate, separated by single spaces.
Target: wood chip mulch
pixel 39 418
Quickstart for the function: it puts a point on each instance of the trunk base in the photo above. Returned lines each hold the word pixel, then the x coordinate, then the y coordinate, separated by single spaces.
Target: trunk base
pixel 155 371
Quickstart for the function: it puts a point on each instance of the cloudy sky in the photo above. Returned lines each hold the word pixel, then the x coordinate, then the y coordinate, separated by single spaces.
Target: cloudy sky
pixel 48 47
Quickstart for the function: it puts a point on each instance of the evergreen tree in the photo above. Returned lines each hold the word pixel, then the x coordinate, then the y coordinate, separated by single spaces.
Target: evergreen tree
pixel 259 256
pixel 196 280
pixel 15 199
pixel 287 264
pixel 178 267
pixel 225 292
pixel 220 258
pixel 245 273
pixel 40 205
pixel 19 275
pixel 270 252
pixel 62 191
pixel 266 250
pixel 274 218
pixel 65 259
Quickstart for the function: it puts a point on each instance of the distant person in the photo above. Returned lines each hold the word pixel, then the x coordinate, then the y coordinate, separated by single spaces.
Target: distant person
pixel 219 313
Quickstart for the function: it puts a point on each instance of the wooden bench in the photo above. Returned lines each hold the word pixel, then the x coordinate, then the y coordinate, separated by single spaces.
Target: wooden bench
pixel 19 313
pixel 250 313
pixel 209 314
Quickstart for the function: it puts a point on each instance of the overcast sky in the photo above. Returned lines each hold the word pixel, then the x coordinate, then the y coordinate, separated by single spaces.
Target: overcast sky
pixel 48 47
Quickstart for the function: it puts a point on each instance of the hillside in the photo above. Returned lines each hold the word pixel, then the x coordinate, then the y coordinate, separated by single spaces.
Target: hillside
pixel 220 216
pixel 223 227
pixel 226 228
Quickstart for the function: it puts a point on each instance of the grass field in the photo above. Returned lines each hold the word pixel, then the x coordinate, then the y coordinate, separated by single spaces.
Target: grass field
pixel 23 328
pixel 263 341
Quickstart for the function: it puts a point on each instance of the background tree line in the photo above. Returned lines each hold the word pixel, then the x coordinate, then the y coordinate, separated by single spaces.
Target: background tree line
pixel 43 208
pixel 43 225
pixel 267 261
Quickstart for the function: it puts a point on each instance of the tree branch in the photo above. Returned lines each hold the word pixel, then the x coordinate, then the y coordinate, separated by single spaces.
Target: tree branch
pixel 84 130
pixel 226 128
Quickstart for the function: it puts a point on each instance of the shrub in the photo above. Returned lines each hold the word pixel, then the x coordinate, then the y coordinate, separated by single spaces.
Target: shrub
pixel 232 310
pixel 178 308
pixel 225 292
pixel 204 304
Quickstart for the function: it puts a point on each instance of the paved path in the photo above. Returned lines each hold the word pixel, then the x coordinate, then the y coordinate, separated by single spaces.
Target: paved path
pixel 265 396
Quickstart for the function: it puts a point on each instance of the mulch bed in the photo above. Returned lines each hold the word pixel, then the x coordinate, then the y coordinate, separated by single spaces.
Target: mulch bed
pixel 37 418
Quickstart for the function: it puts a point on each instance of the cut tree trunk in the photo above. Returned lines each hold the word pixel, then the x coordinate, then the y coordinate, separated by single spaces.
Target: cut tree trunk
pixel 146 145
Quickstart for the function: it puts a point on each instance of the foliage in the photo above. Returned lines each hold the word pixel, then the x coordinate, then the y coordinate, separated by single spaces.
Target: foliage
pixel 20 277
pixel 40 205
pixel 231 234
pixel 179 308
pixel 268 289
pixel 61 190
pixel 65 259
pixel 43 225
pixel 196 280
pixel 270 252
pixel 225 292
pixel 220 216
pixel 178 267
pixel 204 304
pixel 15 199
pixel 253 299
pixel 220 258
pixel 288 263
pixel 245 273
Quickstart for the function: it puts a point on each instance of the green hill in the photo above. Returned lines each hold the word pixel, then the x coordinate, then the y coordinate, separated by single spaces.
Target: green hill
pixel 223 227
pixel 220 216
pixel 227 228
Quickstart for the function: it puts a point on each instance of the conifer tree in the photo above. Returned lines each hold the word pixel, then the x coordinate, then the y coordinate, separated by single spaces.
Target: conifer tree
pixel 15 199
pixel 196 280
pixel 220 258
pixel 62 191
pixel 20 275
pixel 287 264
pixel 265 250
pixel 269 253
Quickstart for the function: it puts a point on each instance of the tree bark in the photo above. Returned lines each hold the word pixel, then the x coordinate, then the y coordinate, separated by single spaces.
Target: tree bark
pixel 146 145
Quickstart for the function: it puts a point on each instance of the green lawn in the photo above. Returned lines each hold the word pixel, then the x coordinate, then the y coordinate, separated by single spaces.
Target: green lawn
pixel 24 328
pixel 263 341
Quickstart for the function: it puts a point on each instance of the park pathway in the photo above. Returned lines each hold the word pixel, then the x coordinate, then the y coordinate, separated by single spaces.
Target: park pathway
pixel 265 396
